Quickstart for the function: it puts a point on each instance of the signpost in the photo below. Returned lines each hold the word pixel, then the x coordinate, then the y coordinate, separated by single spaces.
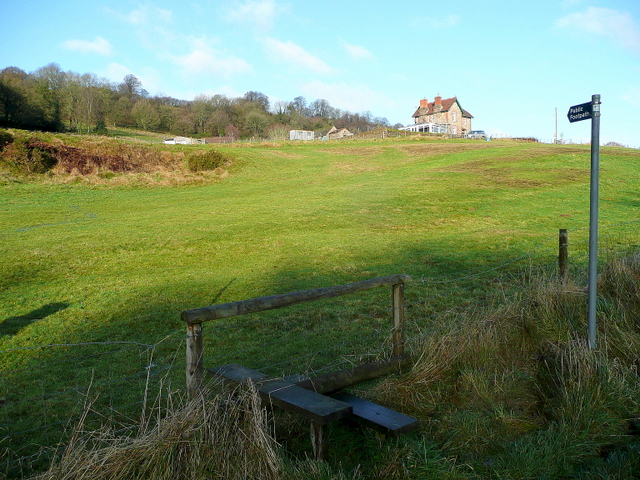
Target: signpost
pixel 583 111
pixel 577 113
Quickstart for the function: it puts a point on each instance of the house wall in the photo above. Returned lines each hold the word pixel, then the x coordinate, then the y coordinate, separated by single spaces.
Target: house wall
pixel 452 117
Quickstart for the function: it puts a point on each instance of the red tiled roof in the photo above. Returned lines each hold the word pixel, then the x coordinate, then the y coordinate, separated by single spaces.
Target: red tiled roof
pixel 447 103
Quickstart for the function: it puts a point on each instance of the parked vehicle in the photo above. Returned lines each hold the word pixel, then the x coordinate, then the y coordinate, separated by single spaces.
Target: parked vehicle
pixel 476 134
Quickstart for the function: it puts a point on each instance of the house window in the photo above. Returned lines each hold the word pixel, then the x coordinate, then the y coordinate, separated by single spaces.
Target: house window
pixel 455 116
pixel 455 130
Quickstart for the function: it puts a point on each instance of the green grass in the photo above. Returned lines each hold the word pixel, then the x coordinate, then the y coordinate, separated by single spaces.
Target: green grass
pixel 108 263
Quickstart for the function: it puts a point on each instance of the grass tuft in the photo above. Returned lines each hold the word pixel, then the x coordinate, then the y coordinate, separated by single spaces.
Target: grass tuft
pixel 224 436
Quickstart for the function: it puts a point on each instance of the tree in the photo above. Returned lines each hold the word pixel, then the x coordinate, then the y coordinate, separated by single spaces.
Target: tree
pixel 13 94
pixel 121 112
pixel 320 108
pixel 299 105
pixel 131 87
pixel 202 109
pixel 146 115
pixel 218 123
pixel 259 98
pixel 91 101
pixel 255 124
pixel 48 83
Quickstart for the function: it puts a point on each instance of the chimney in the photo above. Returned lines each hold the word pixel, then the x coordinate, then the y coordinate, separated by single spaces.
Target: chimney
pixel 424 103
pixel 437 104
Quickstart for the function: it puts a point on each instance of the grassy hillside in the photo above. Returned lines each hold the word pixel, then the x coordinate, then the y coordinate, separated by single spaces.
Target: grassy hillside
pixel 104 259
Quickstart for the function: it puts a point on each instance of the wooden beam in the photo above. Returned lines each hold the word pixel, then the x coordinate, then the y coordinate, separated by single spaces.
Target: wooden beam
pixel 397 301
pixel 319 441
pixel 332 382
pixel 286 395
pixel 195 366
pixel 260 304
pixel 382 419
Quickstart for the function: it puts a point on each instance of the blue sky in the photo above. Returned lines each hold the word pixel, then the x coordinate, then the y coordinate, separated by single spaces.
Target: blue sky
pixel 511 64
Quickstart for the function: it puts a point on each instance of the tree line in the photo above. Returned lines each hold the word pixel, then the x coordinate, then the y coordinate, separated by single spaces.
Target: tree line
pixel 54 100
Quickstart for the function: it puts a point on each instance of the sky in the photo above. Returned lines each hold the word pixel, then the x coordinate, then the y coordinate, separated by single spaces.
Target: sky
pixel 517 67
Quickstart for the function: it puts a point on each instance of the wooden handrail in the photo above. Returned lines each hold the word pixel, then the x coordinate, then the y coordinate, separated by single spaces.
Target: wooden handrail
pixel 195 318
pixel 243 307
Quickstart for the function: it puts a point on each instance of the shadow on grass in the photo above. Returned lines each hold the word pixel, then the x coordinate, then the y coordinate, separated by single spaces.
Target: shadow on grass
pixel 12 325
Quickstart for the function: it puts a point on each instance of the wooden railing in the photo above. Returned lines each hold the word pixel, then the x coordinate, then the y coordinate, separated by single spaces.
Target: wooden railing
pixel 196 317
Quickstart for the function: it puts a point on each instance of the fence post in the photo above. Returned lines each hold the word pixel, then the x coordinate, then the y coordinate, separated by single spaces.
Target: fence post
pixel 397 300
pixel 563 254
pixel 319 441
pixel 195 368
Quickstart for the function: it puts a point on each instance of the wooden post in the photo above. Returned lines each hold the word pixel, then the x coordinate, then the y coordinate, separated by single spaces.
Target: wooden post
pixel 397 300
pixel 195 368
pixel 319 441
pixel 563 254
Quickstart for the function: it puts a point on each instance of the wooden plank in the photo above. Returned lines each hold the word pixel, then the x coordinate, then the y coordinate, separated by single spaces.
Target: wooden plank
pixel 314 406
pixel 260 304
pixel 311 405
pixel 376 416
pixel 334 381
pixel 238 373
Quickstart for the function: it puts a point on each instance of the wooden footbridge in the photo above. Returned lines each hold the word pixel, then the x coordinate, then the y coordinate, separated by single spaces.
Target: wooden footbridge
pixel 321 400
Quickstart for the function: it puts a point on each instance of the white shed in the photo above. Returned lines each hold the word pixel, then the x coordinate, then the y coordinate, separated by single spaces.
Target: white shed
pixel 300 135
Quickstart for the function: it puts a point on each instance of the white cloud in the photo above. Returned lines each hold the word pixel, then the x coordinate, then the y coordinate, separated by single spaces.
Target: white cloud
pixel 203 59
pixel 443 21
pixel 604 22
pixel 354 98
pixel 99 46
pixel 116 72
pixel 296 56
pixel 357 52
pixel 261 14
pixel 144 15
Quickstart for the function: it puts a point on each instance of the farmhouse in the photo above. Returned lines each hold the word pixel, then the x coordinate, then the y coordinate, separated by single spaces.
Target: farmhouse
pixel 441 116
pixel 336 133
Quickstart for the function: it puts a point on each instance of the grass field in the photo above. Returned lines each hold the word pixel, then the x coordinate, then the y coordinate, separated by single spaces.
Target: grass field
pixel 116 262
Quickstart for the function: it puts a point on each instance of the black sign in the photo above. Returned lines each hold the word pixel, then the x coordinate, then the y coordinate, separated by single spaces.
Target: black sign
pixel 580 112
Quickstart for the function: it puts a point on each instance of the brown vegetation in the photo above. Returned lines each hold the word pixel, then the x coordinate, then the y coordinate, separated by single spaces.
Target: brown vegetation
pixel 99 160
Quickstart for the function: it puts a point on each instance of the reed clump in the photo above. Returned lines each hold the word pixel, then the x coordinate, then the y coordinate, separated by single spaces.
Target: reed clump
pixel 516 392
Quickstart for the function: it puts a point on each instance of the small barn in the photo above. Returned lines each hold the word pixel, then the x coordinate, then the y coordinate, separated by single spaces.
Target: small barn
pixel 180 141
pixel 301 135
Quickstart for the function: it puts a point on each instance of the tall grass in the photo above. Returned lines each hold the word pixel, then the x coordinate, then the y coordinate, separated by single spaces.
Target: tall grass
pixel 516 392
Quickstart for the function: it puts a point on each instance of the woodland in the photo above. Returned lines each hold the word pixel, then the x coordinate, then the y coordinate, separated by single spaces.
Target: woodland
pixel 54 100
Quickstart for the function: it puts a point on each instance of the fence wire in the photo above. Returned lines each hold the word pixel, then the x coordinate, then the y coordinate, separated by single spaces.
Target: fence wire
pixel 44 396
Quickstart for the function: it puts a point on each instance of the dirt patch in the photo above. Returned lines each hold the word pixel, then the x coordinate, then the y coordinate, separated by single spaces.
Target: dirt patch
pixel 430 149
pixel 355 151
pixel 354 167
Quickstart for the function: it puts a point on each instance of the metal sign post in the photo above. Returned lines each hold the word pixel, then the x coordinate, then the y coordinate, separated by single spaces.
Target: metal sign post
pixel 577 113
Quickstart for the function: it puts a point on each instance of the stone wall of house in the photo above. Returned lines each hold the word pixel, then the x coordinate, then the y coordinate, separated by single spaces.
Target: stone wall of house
pixel 453 116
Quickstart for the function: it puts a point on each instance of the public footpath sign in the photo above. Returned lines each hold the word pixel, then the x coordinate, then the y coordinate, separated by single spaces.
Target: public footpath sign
pixel 580 112
pixel 577 113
